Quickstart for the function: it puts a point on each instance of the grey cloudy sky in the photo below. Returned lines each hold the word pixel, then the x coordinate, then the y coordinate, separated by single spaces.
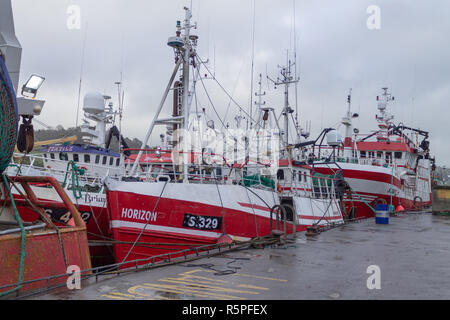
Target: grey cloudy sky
pixel 336 51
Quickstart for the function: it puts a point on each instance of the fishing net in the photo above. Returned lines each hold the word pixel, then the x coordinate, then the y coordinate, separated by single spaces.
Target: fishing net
pixel 8 118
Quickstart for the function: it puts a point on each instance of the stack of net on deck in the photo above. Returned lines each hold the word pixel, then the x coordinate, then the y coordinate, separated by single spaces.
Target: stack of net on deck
pixel 8 118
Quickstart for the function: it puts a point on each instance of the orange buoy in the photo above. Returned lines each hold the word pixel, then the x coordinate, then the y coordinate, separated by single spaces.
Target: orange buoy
pixel 225 239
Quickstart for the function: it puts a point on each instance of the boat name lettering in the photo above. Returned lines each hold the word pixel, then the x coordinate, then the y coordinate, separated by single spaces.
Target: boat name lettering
pixel 60 149
pixel 143 215
pixel 90 198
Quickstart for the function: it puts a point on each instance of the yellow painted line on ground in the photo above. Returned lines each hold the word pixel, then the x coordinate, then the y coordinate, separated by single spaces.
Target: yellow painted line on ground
pixel 208 287
pixel 204 278
pixel 165 288
pixel 259 277
pixel 196 271
pixel 149 296
pixel 192 291
pixel 190 284
pixel 122 294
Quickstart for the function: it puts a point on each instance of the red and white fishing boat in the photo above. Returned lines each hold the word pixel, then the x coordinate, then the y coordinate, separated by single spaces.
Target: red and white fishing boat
pixel 199 199
pixel 386 166
pixel 81 169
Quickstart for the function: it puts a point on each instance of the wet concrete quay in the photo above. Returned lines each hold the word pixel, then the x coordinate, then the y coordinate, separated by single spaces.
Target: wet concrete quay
pixel 412 253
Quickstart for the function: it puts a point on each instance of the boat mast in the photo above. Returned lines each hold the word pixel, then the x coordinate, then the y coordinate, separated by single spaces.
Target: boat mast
pixel 347 122
pixel 286 79
pixel 186 64
pixel 184 48
pixel 384 118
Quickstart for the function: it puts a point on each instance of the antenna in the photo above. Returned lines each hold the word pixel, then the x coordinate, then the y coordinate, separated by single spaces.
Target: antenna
pixel 253 64
pixel 81 75
pixel 296 73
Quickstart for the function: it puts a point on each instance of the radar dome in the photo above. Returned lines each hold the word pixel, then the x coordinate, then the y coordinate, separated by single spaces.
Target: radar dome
pixel 334 138
pixel 94 102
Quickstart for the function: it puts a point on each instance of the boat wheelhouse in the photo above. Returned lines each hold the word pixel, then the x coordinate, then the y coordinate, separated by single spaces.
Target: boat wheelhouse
pixel 98 162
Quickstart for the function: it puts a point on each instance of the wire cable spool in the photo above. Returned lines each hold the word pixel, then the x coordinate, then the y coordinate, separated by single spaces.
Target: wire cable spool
pixel 8 118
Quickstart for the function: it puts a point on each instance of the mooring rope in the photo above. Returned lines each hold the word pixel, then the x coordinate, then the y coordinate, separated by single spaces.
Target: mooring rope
pixel 22 237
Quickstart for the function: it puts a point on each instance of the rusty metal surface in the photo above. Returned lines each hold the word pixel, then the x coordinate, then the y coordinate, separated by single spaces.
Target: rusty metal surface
pixel 49 251
pixel 44 256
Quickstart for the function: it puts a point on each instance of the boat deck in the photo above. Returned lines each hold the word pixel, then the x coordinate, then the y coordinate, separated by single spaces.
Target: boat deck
pixel 412 252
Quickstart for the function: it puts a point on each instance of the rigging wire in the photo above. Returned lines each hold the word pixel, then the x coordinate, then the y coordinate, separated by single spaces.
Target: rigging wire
pixel 83 52
pixel 253 66
pixel 234 90
pixel 296 72
pixel 223 89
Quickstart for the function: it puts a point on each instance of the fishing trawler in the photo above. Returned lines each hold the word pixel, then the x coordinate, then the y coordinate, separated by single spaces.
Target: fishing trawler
pixel 388 166
pixel 80 169
pixel 205 196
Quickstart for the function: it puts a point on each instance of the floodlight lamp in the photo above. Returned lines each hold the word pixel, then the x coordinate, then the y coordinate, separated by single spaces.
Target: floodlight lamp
pixel 32 85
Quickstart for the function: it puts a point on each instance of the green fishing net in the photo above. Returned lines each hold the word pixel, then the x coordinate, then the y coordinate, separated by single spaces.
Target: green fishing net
pixel 8 118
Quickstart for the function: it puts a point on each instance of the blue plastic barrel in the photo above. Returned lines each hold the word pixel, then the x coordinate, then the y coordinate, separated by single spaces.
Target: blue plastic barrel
pixel 382 214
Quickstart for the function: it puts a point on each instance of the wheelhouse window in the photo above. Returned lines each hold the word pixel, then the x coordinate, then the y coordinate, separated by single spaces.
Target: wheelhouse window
pixel 380 154
pixel 97 159
pixel 388 156
pixel 63 156
pixel 111 161
pixel 362 154
pixel 280 174
pixel 104 159
pixel 52 155
pixel 398 155
pixel 117 162
pixel 76 157
pixel 87 158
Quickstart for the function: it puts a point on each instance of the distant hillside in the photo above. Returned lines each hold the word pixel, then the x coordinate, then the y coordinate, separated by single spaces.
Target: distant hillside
pixel 60 132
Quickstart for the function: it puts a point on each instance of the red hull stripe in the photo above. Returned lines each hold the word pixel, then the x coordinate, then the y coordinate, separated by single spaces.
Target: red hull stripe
pixel 254 206
pixel 320 218
pixel 366 175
